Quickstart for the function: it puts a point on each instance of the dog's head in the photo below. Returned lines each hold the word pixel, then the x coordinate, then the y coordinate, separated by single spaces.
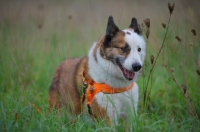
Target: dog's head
pixel 125 49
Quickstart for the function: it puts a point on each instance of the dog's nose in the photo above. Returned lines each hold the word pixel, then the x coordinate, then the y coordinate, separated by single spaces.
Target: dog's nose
pixel 136 67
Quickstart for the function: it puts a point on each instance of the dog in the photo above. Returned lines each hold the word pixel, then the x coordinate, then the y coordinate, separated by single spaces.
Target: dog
pixel 103 82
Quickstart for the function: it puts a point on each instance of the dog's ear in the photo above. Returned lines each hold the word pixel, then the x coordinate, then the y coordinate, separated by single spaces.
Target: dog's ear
pixel 134 25
pixel 111 30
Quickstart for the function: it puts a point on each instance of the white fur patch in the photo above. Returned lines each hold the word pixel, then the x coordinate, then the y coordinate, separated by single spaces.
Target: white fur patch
pixel 135 41
pixel 104 71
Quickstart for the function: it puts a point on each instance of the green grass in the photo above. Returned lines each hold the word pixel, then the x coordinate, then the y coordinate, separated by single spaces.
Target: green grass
pixel 29 56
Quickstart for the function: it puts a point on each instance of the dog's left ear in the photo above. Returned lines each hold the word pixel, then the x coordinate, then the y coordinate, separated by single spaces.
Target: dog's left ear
pixel 112 29
pixel 134 25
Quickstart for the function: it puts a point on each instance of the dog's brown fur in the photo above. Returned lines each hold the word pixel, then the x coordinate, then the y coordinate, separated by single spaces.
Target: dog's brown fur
pixel 63 89
pixel 66 86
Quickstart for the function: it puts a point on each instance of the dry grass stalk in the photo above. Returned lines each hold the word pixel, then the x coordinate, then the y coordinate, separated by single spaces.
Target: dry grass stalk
pixel 171 7
pixel 164 25
pixel 172 70
pixel 198 62
pixel 194 32
pixel 147 33
pixel 191 44
pixel 198 72
pixel 184 91
pixel 198 65
pixel 152 59
pixel 178 38
pixel 147 22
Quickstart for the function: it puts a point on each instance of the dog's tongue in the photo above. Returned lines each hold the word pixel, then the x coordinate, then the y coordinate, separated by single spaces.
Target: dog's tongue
pixel 128 74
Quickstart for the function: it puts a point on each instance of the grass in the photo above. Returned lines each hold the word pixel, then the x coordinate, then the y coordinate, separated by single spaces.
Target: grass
pixel 31 50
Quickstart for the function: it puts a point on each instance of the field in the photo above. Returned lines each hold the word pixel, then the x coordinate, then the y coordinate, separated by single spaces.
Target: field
pixel 35 36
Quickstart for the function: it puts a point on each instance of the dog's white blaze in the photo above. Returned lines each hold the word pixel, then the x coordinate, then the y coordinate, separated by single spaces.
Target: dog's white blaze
pixel 104 71
pixel 135 41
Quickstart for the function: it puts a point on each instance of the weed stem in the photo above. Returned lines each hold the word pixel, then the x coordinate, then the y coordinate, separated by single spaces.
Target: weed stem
pixel 162 46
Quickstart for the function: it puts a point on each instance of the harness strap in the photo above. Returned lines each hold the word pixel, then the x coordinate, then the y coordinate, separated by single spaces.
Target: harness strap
pixel 91 88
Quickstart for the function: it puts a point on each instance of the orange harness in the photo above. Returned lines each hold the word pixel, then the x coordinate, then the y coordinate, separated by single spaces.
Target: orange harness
pixel 91 88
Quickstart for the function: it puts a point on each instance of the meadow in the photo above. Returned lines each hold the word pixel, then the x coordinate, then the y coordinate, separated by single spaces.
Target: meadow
pixel 35 36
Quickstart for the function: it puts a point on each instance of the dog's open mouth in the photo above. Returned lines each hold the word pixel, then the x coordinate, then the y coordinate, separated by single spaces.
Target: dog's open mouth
pixel 127 74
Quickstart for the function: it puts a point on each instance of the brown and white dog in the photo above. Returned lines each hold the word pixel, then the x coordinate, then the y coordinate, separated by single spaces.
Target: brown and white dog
pixel 116 61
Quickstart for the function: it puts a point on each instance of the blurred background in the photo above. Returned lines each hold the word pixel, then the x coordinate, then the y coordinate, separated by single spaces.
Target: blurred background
pixel 36 35
pixel 42 19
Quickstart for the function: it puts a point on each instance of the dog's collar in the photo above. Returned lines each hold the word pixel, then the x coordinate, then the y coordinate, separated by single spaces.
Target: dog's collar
pixel 91 88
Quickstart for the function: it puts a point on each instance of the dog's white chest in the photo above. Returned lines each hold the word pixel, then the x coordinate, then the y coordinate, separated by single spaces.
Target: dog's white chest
pixel 119 103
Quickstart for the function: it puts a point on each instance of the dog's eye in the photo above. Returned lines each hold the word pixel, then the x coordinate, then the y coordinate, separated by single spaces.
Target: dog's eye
pixel 123 49
pixel 126 48
pixel 139 49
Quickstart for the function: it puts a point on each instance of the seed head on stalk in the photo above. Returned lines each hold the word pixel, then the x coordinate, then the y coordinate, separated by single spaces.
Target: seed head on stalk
pixel 198 72
pixel 194 32
pixel 147 33
pixel 152 59
pixel 178 38
pixel 171 7
pixel 172 70
pixel 147 22
pixel 164 25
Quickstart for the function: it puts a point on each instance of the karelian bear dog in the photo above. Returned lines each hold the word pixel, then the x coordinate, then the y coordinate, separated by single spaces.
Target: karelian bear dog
pixel 103 82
